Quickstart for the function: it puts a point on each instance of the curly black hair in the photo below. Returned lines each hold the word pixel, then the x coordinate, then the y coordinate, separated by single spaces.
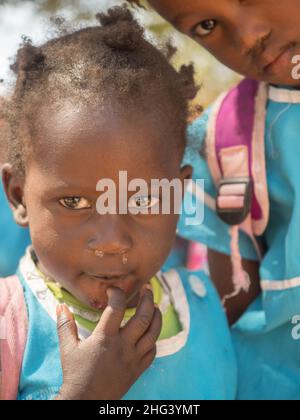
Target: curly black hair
pixel 112 60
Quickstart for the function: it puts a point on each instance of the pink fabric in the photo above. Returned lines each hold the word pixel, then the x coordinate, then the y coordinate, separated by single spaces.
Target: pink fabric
pixel 232 146
pixel 247 228
pixel 234 126
pixel 197 256
pixel 231 202
pixel 234 162
pixel 259 170
pixel 233 189
pixel 14 313
pixel 241 279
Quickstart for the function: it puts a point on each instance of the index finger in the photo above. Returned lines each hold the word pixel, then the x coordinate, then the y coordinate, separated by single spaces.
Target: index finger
pixel 112 317
pixel 141 321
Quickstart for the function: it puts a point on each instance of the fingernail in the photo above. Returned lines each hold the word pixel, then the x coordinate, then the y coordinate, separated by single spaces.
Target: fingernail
pixel 146 287
pixel 60 309
pixel 109 292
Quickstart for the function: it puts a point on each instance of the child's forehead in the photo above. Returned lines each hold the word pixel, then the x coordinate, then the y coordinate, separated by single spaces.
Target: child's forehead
pixel 177 10
pixel 179 6
pixel 121 120
pixel 105 134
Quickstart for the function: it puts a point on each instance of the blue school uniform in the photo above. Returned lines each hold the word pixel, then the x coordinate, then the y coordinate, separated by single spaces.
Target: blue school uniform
pixel 13 239
pixel 197 363
pixel 268 351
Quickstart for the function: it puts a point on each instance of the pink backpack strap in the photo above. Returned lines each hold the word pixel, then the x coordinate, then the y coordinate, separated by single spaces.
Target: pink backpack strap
pixel 13 335
pixel 236 157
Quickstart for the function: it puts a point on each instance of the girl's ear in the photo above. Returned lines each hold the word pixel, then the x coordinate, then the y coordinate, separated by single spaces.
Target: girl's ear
pixel 14 189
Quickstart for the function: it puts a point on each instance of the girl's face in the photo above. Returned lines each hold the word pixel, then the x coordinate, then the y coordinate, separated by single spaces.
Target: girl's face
pixel 256 38
pixel 73 151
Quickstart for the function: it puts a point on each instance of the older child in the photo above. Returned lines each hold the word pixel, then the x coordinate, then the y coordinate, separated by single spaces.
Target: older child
pixel 251 137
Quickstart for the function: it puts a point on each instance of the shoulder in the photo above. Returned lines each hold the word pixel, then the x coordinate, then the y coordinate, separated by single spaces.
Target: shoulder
pixel 196 131
pixel 10 287
pixel 200 123
pixel 195 147
pixel 186 281
pixel 198 304
pixel 13 334
pixel 13 310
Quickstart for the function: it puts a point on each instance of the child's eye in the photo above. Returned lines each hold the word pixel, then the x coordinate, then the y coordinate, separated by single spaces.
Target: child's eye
pixel 204 28
pixel 143 202
pixel 75 203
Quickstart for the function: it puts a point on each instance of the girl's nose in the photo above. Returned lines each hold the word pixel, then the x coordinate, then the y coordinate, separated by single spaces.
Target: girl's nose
pixel 251 37
pixel 110 236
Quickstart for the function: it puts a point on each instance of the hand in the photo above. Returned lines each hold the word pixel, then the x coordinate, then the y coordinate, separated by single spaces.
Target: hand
pixel 108 363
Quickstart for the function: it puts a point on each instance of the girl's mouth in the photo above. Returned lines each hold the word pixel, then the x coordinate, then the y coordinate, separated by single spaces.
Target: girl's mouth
pixel 111 277
pixel 282 62
pixel 130 292
pixel 100 282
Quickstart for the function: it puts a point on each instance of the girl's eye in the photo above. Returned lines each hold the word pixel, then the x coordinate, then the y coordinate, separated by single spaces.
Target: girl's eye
pixel 204 28
pixel 143 202
pixel 75 203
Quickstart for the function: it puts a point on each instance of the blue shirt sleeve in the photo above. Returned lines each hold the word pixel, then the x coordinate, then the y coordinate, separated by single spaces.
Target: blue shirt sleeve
pixel 210 231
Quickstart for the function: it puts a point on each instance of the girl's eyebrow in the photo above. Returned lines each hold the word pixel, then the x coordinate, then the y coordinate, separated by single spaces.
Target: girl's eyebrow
pixel 67 188
pixel 178 19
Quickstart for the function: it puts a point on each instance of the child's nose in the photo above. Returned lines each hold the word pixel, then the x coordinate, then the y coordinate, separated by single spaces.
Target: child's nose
pixel 110 236
pixel 251 37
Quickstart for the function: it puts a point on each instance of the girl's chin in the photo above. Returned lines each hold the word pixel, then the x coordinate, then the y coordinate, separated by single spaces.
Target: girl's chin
pixel 287 81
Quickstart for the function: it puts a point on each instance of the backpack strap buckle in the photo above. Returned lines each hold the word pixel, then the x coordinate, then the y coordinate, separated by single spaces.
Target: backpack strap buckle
pixel 234 200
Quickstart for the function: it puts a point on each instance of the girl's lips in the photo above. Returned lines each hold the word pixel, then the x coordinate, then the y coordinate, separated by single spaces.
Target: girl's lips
pixel 130 289
pixel 282 62
pixel 109 277
pixel 97 298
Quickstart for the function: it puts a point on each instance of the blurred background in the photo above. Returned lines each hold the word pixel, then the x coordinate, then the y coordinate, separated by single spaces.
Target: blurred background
pixel 32 19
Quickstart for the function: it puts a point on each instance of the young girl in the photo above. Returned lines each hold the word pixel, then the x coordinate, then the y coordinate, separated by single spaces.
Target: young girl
pixel 257 39
pixel 86 106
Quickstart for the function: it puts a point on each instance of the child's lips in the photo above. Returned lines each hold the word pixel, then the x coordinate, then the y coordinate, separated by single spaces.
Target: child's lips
pixel 100 282
pixel 109 277
pixel 280 62
pixel 127 283
pixel 104 281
